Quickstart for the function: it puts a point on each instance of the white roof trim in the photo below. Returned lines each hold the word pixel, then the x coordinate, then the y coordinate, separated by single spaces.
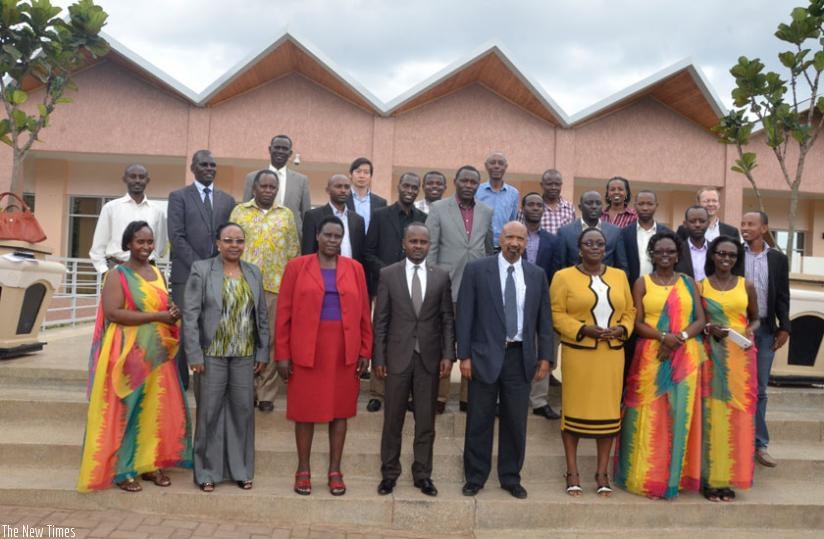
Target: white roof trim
pixel 141 62
pixel 460 65
pixel 652 80
pixel 247 63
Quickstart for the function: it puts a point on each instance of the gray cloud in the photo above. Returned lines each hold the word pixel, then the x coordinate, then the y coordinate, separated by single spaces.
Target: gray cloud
pixel 578 51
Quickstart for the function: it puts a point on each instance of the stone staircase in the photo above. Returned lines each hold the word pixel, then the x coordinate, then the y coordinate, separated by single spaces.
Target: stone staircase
pixel 42 417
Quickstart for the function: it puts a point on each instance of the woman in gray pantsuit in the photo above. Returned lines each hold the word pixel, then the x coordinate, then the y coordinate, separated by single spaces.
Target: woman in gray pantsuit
pixel 226 337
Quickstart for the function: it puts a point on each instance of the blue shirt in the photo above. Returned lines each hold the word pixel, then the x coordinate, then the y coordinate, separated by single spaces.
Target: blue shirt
pixel 363 207
pixel 504 204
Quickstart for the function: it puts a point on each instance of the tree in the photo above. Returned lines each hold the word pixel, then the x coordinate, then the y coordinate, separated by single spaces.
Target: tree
pixel 40 48
pixel 790 111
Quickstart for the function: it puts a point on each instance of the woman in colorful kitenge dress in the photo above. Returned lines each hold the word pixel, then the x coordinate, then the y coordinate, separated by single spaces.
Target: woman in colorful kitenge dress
pixel 137 422
pixel 729 385
pixel 659 450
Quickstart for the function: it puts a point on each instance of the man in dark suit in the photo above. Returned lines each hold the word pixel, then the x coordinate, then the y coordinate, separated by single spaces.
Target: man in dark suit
pixel 384 247
pixel 362 200
pixel 636 236
pixel 591 207
pixel 293 187
pixel 414 347
pixel 710 199
pixel 542 249
pixel 193 215
pixel 769 272
pixel 338 188
pixel 504 334
pixel 693 255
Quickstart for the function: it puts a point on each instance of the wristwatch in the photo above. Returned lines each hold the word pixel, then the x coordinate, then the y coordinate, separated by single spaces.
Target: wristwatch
pixel 663 335
pixel 684 335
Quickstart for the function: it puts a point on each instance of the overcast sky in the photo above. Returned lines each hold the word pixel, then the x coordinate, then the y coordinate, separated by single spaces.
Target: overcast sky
pixel 578 51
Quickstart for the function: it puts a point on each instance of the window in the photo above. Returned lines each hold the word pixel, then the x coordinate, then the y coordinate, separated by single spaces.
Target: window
pixel 83 214
pixel 781 237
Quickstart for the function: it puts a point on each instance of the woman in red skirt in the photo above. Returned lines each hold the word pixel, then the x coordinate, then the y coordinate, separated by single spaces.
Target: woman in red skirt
pixel 323 342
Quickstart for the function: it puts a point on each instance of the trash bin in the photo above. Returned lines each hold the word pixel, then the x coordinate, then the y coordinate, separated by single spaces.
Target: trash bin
pixel 27 283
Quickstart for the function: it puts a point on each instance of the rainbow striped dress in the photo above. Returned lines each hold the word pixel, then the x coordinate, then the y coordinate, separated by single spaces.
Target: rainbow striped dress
pixel 137 417
pixel 659 448
pixel 729 393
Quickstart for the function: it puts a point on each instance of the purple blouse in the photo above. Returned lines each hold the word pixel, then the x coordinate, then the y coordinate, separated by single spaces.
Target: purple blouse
pixel 330 310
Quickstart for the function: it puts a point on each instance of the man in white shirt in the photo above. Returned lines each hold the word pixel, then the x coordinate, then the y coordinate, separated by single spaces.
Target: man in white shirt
pixel 116 214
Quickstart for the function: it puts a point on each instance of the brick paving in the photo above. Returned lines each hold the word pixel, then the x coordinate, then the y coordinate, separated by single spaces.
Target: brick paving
pixel 24 522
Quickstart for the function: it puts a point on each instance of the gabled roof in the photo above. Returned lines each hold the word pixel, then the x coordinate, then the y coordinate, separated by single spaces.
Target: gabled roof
pixel 129 60
pixel 287 55
pixel 492 68
pixel 681 87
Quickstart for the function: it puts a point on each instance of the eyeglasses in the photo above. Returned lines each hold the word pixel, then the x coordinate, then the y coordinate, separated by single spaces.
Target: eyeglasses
pixel 665 252
pixel 726 254
pixel 230 241
pixel 596 244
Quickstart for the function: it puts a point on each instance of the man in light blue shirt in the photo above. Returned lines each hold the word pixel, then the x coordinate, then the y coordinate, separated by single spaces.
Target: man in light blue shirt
pixel 362 200
pixel 495 193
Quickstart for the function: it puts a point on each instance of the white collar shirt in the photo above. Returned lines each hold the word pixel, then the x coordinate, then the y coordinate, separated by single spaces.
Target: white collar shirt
pixel 281 173
pixel 114 217
pixel 410 271
pixel 345 244
pixel 642 238
pixel 520 289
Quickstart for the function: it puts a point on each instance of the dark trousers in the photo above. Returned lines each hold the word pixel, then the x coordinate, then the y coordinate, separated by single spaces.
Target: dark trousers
pixel 512 389
pixel 182 365
pixel 424 386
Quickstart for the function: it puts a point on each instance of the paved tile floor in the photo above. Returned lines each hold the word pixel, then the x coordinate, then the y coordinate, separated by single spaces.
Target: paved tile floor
pixel 25 522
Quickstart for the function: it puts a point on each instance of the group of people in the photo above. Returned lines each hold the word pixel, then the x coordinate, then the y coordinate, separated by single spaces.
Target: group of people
pixel 666 338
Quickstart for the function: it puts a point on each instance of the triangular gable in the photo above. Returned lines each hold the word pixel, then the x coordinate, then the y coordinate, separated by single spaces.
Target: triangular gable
pixel 492 68
pixel 681 87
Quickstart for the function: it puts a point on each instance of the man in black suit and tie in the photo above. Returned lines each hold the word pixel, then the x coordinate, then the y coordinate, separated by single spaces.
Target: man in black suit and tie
pixel 414 347
pixel 636 236
pixel 362 200
pixel 710 199
pixel 354 233
pixel 384 247
pixel 505 341
pixel 591 206
pixel 769 272
pixel 293 187
pixel 193 215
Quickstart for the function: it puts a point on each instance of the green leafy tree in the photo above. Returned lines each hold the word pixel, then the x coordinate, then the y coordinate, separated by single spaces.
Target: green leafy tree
pixel 39 48
pixel 788 108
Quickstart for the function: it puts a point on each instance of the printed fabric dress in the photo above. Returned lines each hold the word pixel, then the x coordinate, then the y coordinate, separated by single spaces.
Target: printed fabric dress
pixel 659 450
pixel 137 417
pixel 729 393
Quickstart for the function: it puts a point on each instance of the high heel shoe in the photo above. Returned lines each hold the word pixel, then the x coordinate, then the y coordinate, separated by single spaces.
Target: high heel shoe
pixel 336 485
pixel 303 482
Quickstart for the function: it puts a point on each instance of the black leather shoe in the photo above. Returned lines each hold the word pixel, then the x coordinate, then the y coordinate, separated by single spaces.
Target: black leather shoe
pixel 547 412
pixel 462 406
pixel 386 486
pixel 373 405
pixel 516 490
pixel 554 382
pixel 440 407
pixel 427 487
pixel 266 406
pixel 470 488
pixel 365 375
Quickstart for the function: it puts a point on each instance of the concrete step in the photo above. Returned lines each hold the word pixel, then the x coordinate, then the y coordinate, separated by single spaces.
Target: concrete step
pixel 782 505
pixel 31 445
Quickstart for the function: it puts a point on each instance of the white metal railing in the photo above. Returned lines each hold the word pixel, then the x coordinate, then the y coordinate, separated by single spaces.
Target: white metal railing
pixel 76 300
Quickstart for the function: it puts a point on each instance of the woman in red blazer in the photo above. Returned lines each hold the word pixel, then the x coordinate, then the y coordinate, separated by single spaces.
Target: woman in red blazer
pixel 323 342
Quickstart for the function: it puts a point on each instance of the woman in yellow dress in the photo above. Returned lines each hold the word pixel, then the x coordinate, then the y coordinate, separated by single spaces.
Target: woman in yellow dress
pixel 592 310
pixel 729 386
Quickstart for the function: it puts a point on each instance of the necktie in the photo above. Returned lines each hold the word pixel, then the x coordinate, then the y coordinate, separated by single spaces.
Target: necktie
pixel 417 294
pixel 207 202
pixel 510 304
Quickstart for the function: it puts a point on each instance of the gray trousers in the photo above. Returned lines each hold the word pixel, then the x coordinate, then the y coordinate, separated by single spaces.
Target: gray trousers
pixel 224 447
pixel 266 383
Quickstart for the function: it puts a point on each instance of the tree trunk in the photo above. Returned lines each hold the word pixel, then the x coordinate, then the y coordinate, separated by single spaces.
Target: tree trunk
pixel 16 185
pixel 791 217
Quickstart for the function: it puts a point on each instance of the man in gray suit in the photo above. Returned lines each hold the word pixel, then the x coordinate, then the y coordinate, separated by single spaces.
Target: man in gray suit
pixel 414 347
pixel 460 231
pixel 293 187
pixel 193 215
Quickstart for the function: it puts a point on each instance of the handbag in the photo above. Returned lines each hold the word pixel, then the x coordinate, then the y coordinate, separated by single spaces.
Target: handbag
pixel 17 222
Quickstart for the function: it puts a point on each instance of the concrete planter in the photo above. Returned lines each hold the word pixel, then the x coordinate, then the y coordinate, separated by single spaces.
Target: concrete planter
pixel 27 283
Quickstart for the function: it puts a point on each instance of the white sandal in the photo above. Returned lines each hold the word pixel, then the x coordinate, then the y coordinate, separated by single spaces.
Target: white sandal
pixel 573 490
